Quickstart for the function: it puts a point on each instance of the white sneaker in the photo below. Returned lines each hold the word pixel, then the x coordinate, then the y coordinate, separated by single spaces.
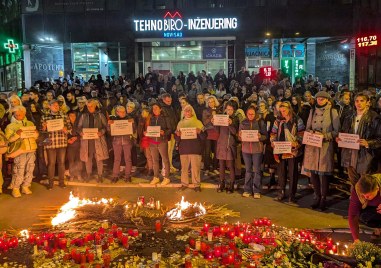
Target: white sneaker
pixel 165 181
pixel 206 173
pixel 26 190
pixel 216 172
pixel 257 196
pixel 16 192
pixel 133 169
pixel 246 194
pixel 155 180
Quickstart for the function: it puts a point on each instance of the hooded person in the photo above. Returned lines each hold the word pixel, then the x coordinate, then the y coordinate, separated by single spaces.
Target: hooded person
pixel 190 147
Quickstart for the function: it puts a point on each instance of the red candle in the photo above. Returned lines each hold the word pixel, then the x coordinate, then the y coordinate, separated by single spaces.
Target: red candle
pixel 158 226
pixel 203 246
pixel 62 243
pixel 125 241
pixel 106 259
pixel 217 250
pixel 187 249
pixel 90 256
pixel 135 232
pixel 83 257
pixel 192 242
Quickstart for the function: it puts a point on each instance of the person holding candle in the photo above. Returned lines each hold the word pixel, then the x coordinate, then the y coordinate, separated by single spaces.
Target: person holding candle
pixel 324 121
pixel 24 156
pixel 227 147
pixel 252 153
pixel 287 127
pixel 190 150
pixel 365 205
pixel 122 144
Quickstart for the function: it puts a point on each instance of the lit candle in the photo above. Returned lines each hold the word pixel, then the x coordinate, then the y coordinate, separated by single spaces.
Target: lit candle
pixel 158 226
pixel 210 235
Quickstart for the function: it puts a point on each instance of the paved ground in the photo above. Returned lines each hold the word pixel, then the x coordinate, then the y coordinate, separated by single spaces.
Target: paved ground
pixel 22 212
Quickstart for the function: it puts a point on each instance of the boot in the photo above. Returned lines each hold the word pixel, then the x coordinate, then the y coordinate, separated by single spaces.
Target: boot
pixel 26 190
pixel 322 204
pixel 230 188
pixel 16 192
pixel 100 179
pixel 316 203
pixel 127 179
pixel 50 185
pixel 221 187
pixel 280 196
pixel 62 184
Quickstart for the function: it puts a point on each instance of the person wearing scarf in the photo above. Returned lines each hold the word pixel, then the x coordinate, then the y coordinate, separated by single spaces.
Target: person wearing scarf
pixel 365 205
pixel 190 150
pixel 24 160
pixel 324 121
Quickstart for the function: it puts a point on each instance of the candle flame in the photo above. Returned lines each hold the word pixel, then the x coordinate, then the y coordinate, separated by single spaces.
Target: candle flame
pixel 24 233
pixel 67 211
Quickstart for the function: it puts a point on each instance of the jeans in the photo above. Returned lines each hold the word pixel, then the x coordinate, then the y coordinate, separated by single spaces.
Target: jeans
pixel 210 147
pixel 253 175
pixel 320 183
pixel 22 172
pixel 195 161
pixel 56 155
pixel 147 154
pixel 75 164
pixel 89 164
pixel 158 150
pixel 118 149
pixel 40 168
pixel 288 166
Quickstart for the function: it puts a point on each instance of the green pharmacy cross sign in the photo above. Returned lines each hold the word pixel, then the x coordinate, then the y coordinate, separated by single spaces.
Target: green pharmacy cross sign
pixel 11 46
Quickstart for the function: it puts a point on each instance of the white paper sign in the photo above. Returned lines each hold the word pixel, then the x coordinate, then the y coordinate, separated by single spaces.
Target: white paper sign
pixel 121 127
pixel 188 133
pixel 220 120
pixel 28 132
pixel 249 135
pixel 55 124
pixel 313 139
pixel 90 133
pixel 153 131
pixel 282 147
pixel 350 141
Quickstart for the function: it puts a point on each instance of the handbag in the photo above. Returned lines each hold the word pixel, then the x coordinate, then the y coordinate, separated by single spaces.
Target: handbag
pixel 15 149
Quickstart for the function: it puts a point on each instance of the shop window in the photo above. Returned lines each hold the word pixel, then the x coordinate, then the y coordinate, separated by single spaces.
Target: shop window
pixel 188 53
pixel 215 66
pixel 163 53
pixel 86 60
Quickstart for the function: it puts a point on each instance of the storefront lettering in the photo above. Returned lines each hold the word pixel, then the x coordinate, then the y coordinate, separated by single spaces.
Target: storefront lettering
pixel 46 67
pixel 191 24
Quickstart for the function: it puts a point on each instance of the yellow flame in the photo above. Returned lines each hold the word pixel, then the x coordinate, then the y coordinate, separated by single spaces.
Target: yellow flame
pixel 67 211
pixel 176 213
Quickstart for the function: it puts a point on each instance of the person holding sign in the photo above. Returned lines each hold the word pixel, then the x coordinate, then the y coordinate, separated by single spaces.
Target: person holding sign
pixel 252 132
pixel 122 143
pixel 56 148
pixel 227 147
pixel 210 164
pixel 93 148
pixel 287 128
pixel 189 136
pixel 323 122
pixel 367 124
pixel 24 155
pixel 158 144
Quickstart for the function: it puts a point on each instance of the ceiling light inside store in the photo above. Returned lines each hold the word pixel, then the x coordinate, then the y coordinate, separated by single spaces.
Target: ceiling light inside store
pixel 297 33
pixel 268 33
pixel 266 41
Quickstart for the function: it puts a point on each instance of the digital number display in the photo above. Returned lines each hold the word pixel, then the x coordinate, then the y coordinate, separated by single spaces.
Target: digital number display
pixel 367 41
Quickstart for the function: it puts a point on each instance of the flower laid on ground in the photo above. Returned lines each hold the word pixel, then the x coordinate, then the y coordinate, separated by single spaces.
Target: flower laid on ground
pixel 365 253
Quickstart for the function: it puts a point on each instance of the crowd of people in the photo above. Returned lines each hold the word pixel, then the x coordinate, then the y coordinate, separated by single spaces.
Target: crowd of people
pixel 47 127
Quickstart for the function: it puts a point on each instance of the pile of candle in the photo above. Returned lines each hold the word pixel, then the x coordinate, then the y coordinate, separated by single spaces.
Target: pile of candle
pixel 151 204
pixel 7 243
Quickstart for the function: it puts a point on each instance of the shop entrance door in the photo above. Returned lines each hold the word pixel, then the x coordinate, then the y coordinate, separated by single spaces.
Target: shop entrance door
pixel 186 67
pixel 197 67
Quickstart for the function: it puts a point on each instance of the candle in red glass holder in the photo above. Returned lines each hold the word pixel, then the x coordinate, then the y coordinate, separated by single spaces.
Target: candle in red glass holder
pixel 125 241
pixel 114 226
pixel 188 262
pixel 62 243
pixel 119 233
pixel 209 255
pixel 206 227
pixel 203 247
pixel 217 250
pixel 90 256
pixel 83 258
pixel 187 249
pixel 106 259
pixel 192 242
pixel 135 233
pixel 231 234
pixel 158 226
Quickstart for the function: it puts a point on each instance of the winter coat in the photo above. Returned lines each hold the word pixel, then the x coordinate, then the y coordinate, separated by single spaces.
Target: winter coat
pixel 369 129
pixel 254 147
pixel 170 116
pixel 101 150
pixel 162 122
pixel 120 140
pixel 227 140
pixel 326 121
pixel 28 145
pixel 207 116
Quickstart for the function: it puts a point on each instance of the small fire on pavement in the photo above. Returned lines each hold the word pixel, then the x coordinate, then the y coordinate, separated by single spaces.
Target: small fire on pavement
pixel 68 210
pixel 185 210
